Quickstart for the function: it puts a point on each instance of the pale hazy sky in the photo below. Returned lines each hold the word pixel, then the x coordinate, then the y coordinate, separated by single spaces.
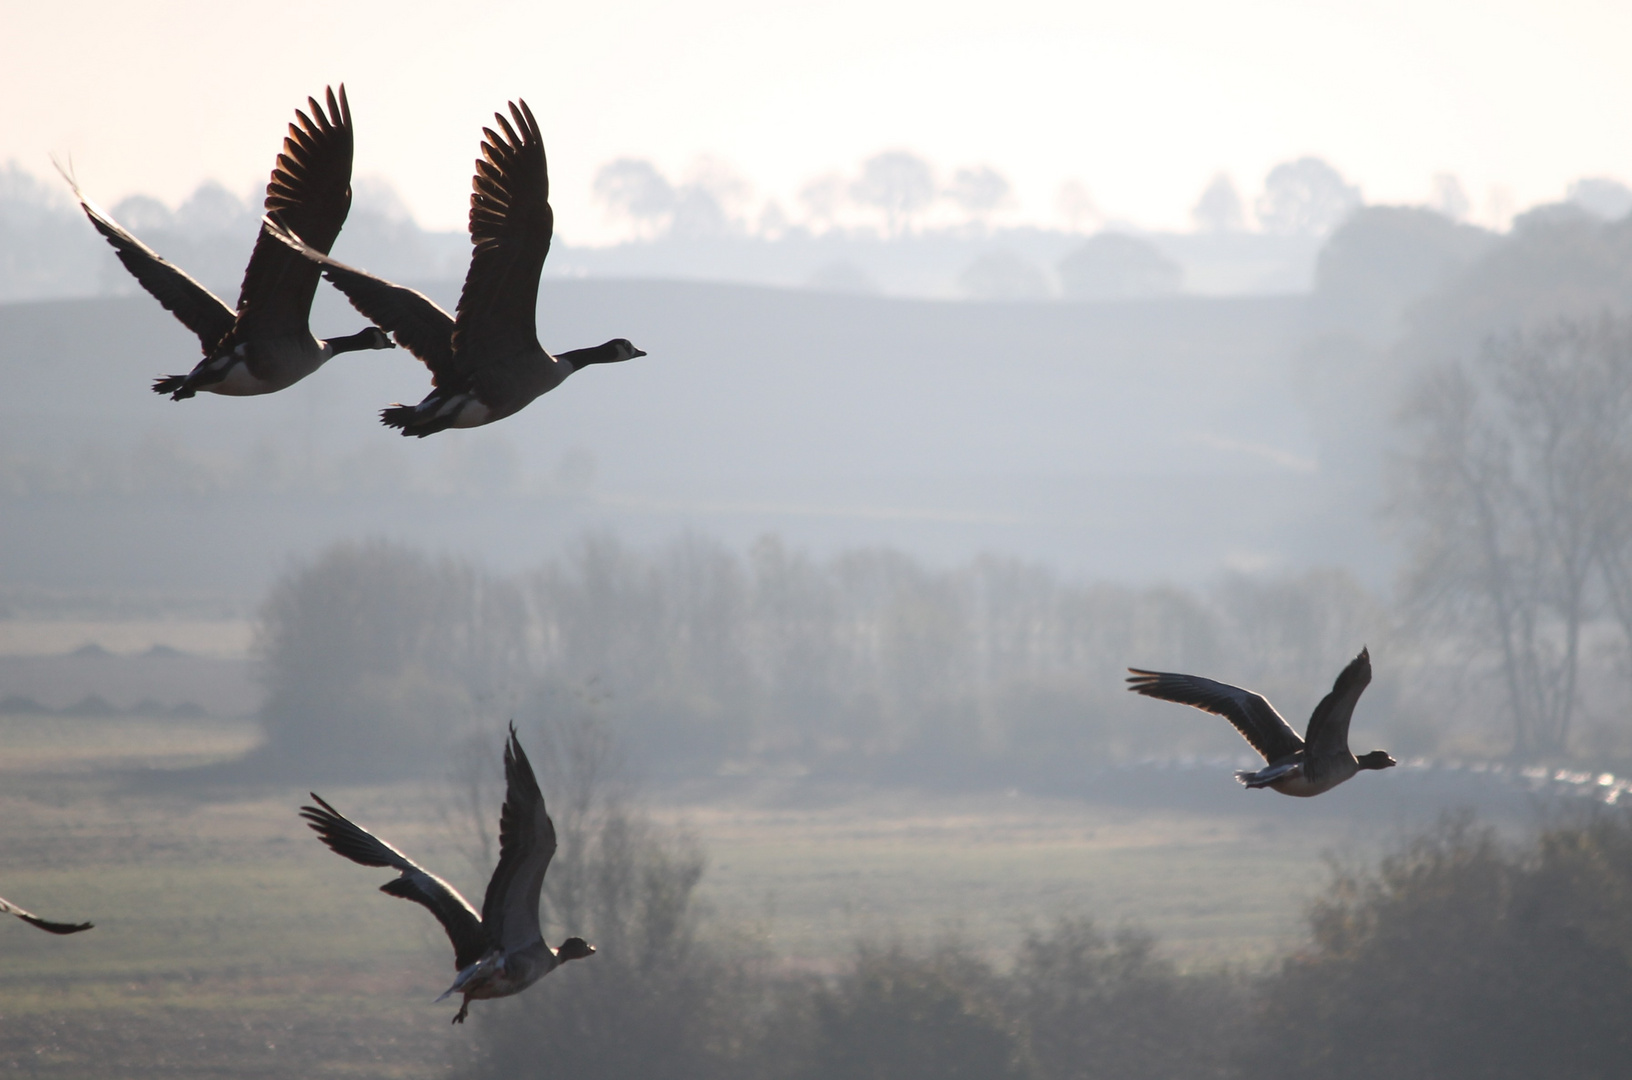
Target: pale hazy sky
pixel 1140 102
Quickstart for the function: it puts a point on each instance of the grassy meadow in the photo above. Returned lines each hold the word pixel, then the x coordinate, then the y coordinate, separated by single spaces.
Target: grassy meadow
pixel 229 943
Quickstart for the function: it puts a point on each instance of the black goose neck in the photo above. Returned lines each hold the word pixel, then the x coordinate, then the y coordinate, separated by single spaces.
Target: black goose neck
pixel 363 339
pixel 597 354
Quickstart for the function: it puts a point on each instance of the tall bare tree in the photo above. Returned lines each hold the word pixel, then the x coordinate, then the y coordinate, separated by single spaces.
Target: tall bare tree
pixel 1514 493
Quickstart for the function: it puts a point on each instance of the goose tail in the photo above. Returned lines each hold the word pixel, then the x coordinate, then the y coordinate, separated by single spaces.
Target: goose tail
pixel 398 416
pixel 415 420
pixel 463 979
pixel 1268 775
pixel 174 385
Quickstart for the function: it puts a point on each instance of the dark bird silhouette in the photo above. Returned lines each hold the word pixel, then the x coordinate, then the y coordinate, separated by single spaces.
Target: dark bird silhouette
pixel 8 908
pixel 1295 766
pixel 486 362
pixel 500 951
pixel 266 344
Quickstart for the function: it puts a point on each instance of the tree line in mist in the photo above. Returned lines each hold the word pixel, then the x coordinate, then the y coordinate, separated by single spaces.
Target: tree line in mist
pixel 1457 955
pixel 897 192
pixel 709 224
pixel 867 665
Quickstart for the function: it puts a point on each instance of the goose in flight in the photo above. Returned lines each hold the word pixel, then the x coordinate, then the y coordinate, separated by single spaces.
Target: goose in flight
pixel 500 951
pixel 8 908
pixel 486 362
pixel 1296 767
pixel 266 344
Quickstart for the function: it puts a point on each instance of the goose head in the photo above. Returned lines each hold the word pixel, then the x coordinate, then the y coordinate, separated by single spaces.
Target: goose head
pixel 574 948
pixel 612 352
pixel 1377 759
pixel 371 338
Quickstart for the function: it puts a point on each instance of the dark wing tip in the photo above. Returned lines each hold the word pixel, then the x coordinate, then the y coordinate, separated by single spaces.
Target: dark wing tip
pixel 1142 681
pixel 511 137
pixel 519 778
pixel 321 818
pixel 515 759
pixel 1358 669
pixel 56 927
pixel 526 123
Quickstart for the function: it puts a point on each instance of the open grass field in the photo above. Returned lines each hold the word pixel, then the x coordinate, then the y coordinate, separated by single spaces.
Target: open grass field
pixel 985 868
pixel 229 943
pixel 226 944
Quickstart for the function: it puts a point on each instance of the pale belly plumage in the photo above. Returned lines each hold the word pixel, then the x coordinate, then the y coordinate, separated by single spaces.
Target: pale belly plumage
pixel 1295 779
pixel 471 412
pixel 284 362
pixel 500 974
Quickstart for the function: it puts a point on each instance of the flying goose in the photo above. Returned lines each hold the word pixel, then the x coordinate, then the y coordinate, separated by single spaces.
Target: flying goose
pixel 266 344
pixel 500 951
pixel 1295 767
pixel 486 362
pixel 8 908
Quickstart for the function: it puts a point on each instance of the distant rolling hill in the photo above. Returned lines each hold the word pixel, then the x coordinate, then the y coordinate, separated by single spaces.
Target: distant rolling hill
pixel 1132 440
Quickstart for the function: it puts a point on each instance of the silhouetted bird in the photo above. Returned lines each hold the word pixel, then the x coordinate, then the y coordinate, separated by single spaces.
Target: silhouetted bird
pixel 1295 767
pixel 266 344
pixel 8 908
pixel 486 362
pixel 500 951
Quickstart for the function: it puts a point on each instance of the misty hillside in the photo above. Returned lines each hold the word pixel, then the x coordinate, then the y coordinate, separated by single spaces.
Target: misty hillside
pixel 1091 435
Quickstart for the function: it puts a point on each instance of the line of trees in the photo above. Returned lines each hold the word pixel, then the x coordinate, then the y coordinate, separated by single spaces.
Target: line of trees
pixel 868 665
pixel 900 189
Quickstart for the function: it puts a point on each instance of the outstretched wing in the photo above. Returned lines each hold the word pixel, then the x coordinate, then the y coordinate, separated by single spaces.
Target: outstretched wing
pixel 1329 724
pixel 309 194
pixel 8 908
pixel 199 310
pixel 414 320
pixel 526 845
pixel 344 837
pixel 510 227
pixel 1253 717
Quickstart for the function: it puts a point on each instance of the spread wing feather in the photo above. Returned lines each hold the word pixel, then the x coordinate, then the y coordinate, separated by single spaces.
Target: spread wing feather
pixel 470 939
pixel 511 224
pixel 526 845
pixel 1329 724
pixel 413 319
pixel 1254 717
pixel 198 309
pixel 8 908
pixel 310 194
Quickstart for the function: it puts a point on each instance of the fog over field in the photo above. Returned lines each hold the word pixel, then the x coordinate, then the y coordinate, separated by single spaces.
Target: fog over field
pixel 987 356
